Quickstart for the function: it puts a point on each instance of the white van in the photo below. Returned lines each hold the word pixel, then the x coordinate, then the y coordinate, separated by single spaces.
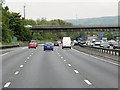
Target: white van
pixel 66 42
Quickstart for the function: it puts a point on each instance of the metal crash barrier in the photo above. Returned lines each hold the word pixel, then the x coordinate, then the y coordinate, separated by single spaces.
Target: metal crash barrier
pixel 98 51
pixel 9 46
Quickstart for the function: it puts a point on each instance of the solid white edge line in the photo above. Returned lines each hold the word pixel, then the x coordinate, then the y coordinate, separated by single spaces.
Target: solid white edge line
pixel 4 54
pixel 104 60
pixel 24 47
pixel 88 82
pixel 76 71
pixel 69 65
pixel 21 66
pixel 7 84
pixel 11 52
pixel 17 72
pixel 97 58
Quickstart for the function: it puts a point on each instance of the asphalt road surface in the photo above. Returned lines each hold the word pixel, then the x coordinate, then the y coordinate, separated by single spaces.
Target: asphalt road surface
pixel 35 68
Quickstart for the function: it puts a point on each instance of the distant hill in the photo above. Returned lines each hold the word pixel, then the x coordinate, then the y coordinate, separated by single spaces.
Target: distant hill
pixel 101 21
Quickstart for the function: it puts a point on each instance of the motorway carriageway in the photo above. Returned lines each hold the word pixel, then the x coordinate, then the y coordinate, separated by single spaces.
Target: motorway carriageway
pixel 61 68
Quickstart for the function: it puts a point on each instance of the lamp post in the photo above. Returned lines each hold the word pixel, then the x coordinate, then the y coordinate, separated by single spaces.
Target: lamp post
pixel 24 10
pixel 76 19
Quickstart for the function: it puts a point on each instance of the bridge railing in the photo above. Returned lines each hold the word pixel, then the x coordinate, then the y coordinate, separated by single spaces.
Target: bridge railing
pixel 72 28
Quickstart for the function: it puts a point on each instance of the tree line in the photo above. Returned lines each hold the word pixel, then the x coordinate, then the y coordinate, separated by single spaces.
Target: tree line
pixel 13 25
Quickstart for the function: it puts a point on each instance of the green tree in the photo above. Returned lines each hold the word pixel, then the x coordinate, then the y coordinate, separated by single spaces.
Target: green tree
pixel 37 36
pixel 7 34
pixel 13 25
pixel 29 22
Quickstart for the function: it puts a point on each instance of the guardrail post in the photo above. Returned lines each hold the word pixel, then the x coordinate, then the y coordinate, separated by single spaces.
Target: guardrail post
pixel 101 51
pixel 119 53
pixel 115 53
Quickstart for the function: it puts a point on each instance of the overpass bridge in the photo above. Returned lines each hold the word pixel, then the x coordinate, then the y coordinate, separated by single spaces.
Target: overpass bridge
pixel 72 29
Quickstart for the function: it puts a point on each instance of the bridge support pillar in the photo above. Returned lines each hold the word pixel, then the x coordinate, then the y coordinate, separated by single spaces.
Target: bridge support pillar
pixel 32 33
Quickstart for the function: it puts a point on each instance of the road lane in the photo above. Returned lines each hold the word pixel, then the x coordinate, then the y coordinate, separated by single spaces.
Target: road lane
pixel 100 73
pixel 35 68
pixel 12 61
pixel 47 70
pixel 4 51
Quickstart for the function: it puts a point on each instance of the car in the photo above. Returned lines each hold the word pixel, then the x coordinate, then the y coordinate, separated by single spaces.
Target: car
pixel 75 42
pixel 97 43
pixel 56 44
pixel 32 45
pixel 105 45
pixel 112 42
pixel 116 45
pixel 66 42
pixel 59 42
pixel 82 42
pixel 48 46
pixel 34 41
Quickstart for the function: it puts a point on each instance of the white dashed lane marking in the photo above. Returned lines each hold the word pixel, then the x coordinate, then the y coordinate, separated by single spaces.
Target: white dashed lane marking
pixel 28 58
pixel 76 71
pixel 64 60
pixel 69 65
pixel 30 55
pixel 17 72
pixel 7 84
pixel 88 82
pixel 21 66
pixel 25 61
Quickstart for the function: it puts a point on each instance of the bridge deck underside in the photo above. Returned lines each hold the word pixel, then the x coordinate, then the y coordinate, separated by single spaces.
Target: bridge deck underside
pixel 69 29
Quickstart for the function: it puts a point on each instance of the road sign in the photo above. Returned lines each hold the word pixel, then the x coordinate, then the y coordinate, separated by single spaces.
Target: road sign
pixel 100 35
pixel 81 38
pixel 14 38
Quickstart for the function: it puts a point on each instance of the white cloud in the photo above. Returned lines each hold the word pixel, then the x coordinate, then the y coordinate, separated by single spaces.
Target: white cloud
pixel 65 10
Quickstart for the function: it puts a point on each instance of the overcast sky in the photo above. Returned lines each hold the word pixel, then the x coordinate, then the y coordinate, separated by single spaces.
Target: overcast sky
pixel 62 9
